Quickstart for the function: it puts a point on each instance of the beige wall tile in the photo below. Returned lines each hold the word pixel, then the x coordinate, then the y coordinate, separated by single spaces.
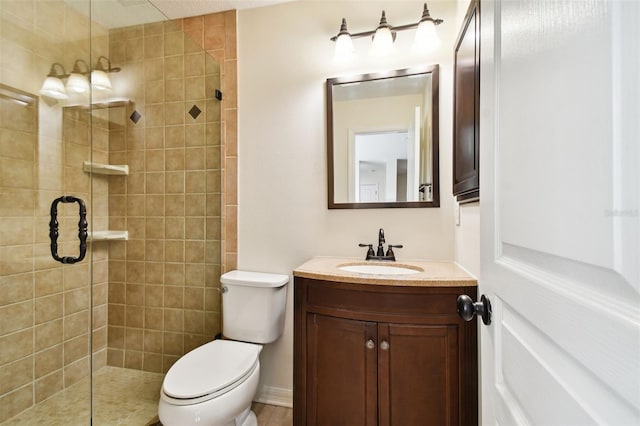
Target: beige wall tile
pixel 133 359
pixel 154 273
pixel 115 357
pixel 48 386
pixel 16 374
pixel 173 43
pixel 153 46
pixel 134 317
pixel 194 298
pixel 175 159
pixel 76 300
pixel 48 334
pixel 173 319
pixel 16 288
pixel 48 361
pixel 134 339
pixel 16 401
pixel 76 324
pixel 174 274
pixel 194 275
pixel 153 341
pixel 76 349
pixel 173 297
pixel 16 317
pixel 16 345
pixel 135 272
pixel 48 308
pixel 73 373
pixel 153 319
pixel 115 337
pixel 173 343
pixel 152 362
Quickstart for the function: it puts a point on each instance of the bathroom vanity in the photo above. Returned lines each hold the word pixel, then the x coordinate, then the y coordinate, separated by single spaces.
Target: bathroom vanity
pixel 383 349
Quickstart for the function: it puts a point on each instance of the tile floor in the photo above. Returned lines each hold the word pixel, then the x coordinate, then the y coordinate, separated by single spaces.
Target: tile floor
pixel 122 397
pixel 270 415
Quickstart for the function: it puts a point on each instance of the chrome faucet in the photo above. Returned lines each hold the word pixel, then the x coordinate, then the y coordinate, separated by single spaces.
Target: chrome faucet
pixel 380 254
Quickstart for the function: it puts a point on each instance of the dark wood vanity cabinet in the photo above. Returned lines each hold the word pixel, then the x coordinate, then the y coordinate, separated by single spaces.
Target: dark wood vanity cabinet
pixel 382 355
pixel 466 108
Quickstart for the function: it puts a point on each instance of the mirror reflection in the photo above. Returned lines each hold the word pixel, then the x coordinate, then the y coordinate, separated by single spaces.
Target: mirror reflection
pixel 383 139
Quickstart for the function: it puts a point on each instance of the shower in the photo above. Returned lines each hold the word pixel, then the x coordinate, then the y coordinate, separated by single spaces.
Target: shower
pixel 115 224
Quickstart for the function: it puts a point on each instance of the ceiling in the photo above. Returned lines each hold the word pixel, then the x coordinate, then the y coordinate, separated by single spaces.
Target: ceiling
pixel 174 9
pixel 124 13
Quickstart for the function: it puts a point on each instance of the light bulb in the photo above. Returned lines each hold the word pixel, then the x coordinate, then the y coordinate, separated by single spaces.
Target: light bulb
pixel 426 36
pixel 100 80
pixel 382 41
pixel 53 87
pixel 77 83
pixel 383 38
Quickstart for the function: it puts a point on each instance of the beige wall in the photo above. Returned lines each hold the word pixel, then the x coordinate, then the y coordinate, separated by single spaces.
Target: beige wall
pixel 285 56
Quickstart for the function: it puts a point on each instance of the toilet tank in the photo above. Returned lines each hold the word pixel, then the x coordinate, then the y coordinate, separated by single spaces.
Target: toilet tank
pixel 253 305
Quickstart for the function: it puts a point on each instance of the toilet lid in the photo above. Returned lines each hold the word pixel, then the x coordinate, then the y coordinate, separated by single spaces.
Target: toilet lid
pixel 210 368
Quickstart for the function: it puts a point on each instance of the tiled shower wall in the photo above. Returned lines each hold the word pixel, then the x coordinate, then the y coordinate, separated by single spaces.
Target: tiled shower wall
pixel 44 306
pixel 164 281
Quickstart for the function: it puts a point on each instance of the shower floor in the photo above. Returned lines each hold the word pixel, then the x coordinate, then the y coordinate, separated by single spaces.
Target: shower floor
pixel 121 397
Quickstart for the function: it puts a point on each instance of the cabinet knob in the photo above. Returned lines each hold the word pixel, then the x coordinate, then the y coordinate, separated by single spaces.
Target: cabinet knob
pixel 384 345
pixel 370 344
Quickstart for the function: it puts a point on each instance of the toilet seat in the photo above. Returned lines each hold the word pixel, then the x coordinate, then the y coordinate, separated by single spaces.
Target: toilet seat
pixel 209 371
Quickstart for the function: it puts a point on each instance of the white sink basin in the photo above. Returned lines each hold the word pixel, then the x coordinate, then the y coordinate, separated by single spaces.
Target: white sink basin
pixel 377 269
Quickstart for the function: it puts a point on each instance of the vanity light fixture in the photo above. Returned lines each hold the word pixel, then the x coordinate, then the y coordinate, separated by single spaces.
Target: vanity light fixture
pixel 53 85
pixel 99 78
pixel 78 82
pixel 384 35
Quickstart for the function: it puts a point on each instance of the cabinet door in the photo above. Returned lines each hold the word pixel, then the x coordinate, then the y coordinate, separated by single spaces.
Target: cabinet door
pixel 466 119
pixel 341 372
pixel 418 375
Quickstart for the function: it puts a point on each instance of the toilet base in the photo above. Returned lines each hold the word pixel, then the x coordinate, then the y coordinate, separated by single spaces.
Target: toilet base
pixel 230 409
pixel 251 420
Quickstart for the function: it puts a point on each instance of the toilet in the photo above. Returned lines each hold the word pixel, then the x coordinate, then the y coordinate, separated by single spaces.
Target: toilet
pixel 214 384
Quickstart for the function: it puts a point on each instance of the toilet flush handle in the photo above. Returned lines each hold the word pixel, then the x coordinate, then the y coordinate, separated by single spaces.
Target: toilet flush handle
pixel 224 290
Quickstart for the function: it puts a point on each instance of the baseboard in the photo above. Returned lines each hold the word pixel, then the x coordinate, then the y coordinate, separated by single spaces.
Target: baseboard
pixel 275 396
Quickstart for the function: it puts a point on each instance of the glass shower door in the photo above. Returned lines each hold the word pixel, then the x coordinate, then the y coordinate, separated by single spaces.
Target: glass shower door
pixel 45 137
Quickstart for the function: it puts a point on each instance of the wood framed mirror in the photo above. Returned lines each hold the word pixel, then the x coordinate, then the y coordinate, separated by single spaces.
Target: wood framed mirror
pixel 382 139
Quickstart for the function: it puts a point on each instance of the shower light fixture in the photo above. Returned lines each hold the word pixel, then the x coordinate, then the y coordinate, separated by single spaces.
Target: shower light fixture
pixel 99 78
pixel 53 85
pixel 384 35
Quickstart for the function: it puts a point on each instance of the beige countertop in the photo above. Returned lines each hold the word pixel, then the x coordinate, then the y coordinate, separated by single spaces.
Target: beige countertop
pixel 432 273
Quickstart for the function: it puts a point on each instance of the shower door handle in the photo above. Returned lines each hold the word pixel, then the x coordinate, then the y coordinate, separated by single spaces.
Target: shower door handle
pixel 82 229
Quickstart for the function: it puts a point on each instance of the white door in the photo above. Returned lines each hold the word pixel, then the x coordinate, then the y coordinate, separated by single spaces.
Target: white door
pixel 413 156
pixel 560 212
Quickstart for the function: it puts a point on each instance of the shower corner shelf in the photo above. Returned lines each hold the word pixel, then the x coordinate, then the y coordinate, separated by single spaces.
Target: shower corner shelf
pixel 108 235
pixel 105 169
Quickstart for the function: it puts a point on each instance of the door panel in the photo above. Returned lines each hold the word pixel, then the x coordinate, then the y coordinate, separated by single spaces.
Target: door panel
pixel 342 371
pixel 560 212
